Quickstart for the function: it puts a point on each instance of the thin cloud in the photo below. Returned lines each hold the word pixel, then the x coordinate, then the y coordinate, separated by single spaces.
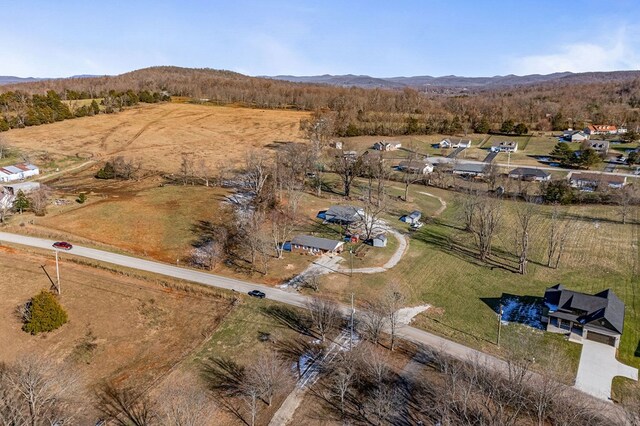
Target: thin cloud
pixel 619 52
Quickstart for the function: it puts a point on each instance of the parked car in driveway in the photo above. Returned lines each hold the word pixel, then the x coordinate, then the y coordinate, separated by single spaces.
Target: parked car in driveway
pixel 257 293
pixel 62 245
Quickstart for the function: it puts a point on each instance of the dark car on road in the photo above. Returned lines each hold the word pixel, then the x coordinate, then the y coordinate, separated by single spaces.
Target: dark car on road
pixel 257 293
pixel 62 245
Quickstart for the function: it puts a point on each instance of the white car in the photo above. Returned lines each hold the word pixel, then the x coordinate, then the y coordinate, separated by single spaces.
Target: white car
pixel 417 225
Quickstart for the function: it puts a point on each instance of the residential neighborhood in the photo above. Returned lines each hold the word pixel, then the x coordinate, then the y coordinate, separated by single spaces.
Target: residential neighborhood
pixel 320 213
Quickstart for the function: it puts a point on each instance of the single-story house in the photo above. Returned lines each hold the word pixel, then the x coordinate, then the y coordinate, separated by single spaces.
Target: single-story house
pixel 413 217
pixel 591 180
pixel 379 240
pixel 316 245
pixel 414 166
pixel 598 146
pixel 386 146
pixel 604 129
pixel 575 136
pixel 470 169
pixel 455 143
pixel 529 173
pixel 343 215
pixel 18 172
pixel 598 317
pixel 504 146
pixel 25 187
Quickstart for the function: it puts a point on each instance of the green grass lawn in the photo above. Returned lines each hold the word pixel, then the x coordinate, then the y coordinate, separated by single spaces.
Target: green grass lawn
pixel 601 254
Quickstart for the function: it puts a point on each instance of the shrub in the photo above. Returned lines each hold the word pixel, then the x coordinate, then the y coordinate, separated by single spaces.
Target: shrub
pixel 81 198
pixel 45 314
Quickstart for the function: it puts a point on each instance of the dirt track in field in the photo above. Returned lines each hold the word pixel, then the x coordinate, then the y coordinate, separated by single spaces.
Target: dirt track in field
pixel 159 133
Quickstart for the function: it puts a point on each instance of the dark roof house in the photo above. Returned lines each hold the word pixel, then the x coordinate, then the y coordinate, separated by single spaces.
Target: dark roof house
pixel 598 317
pixel 344 214
pixel 529 173
pixel 470 169
pixel 316 245
pixel 591 181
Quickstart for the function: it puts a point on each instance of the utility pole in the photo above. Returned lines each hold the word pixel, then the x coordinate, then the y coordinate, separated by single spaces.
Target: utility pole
pixel 351 261
pixel 353 312
pixel 499 323
pixel 57 273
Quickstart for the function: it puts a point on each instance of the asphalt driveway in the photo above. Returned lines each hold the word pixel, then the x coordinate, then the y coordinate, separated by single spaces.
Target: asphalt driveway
pixel 598 366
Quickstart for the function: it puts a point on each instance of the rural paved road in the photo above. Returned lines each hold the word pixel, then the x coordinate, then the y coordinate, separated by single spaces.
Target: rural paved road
pixel 291 298
pixel 278 295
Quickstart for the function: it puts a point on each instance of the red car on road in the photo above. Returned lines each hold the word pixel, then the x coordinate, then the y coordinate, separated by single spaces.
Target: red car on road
pixel 62 245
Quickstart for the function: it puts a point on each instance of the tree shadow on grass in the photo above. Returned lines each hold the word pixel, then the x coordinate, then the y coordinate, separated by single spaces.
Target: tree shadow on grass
pixel 449 246
pixel 289 318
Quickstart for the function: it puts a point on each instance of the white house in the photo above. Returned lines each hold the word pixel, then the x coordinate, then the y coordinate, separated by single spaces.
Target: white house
pixel 18 172
pixel 591 181
pixel 387 146
pixel 575 136
pixel 418 167
pixel 455 143
pixel 504 146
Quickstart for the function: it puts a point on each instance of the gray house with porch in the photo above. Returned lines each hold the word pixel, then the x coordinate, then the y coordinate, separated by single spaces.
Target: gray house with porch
pixel 598 317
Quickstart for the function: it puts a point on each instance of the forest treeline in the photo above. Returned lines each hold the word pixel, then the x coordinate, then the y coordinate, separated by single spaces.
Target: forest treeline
pixel 21 109
pixel 358 111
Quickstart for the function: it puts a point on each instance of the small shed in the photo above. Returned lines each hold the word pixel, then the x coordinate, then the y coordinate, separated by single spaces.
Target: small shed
pixel 379 241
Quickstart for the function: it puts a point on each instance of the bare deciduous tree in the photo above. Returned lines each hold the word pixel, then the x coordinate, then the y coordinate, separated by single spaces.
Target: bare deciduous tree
pixel 203 171
pixel 525 217
pixel 393 300
pixel 207 254
pixel 282 226
pixel 36 392
pixel 560 231
pixel 184 404
pixel 624 198
pixel 325 315
pixel 485 222
pixel 371 321
pixel 187 168
pixel 257 171
pixel 468 203
pixel 4 147
pixel 272 375
pixel 347 166
pixel 39 200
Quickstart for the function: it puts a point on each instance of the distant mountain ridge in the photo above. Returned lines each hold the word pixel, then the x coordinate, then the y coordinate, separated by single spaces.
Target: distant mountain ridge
pixel 452 81
pixel 9 79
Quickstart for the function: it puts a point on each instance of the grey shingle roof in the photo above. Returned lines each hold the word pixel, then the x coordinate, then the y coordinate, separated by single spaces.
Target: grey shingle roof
pixel 316 242
pixel 589 308
pixel 344 214
pixel 529 171
pixel 470 168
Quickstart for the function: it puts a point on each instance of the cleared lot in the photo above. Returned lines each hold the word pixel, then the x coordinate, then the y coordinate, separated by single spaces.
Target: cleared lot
pixel 159 133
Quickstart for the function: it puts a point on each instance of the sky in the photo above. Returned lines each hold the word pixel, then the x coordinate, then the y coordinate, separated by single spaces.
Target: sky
pixel 381 38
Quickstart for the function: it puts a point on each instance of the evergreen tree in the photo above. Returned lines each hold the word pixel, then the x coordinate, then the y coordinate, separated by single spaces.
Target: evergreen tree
pixel 520 129
pixel 44 314
pixel 482 126
pixel 588 157
pixel 107 172
pixel 21 203
pixel 507 126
